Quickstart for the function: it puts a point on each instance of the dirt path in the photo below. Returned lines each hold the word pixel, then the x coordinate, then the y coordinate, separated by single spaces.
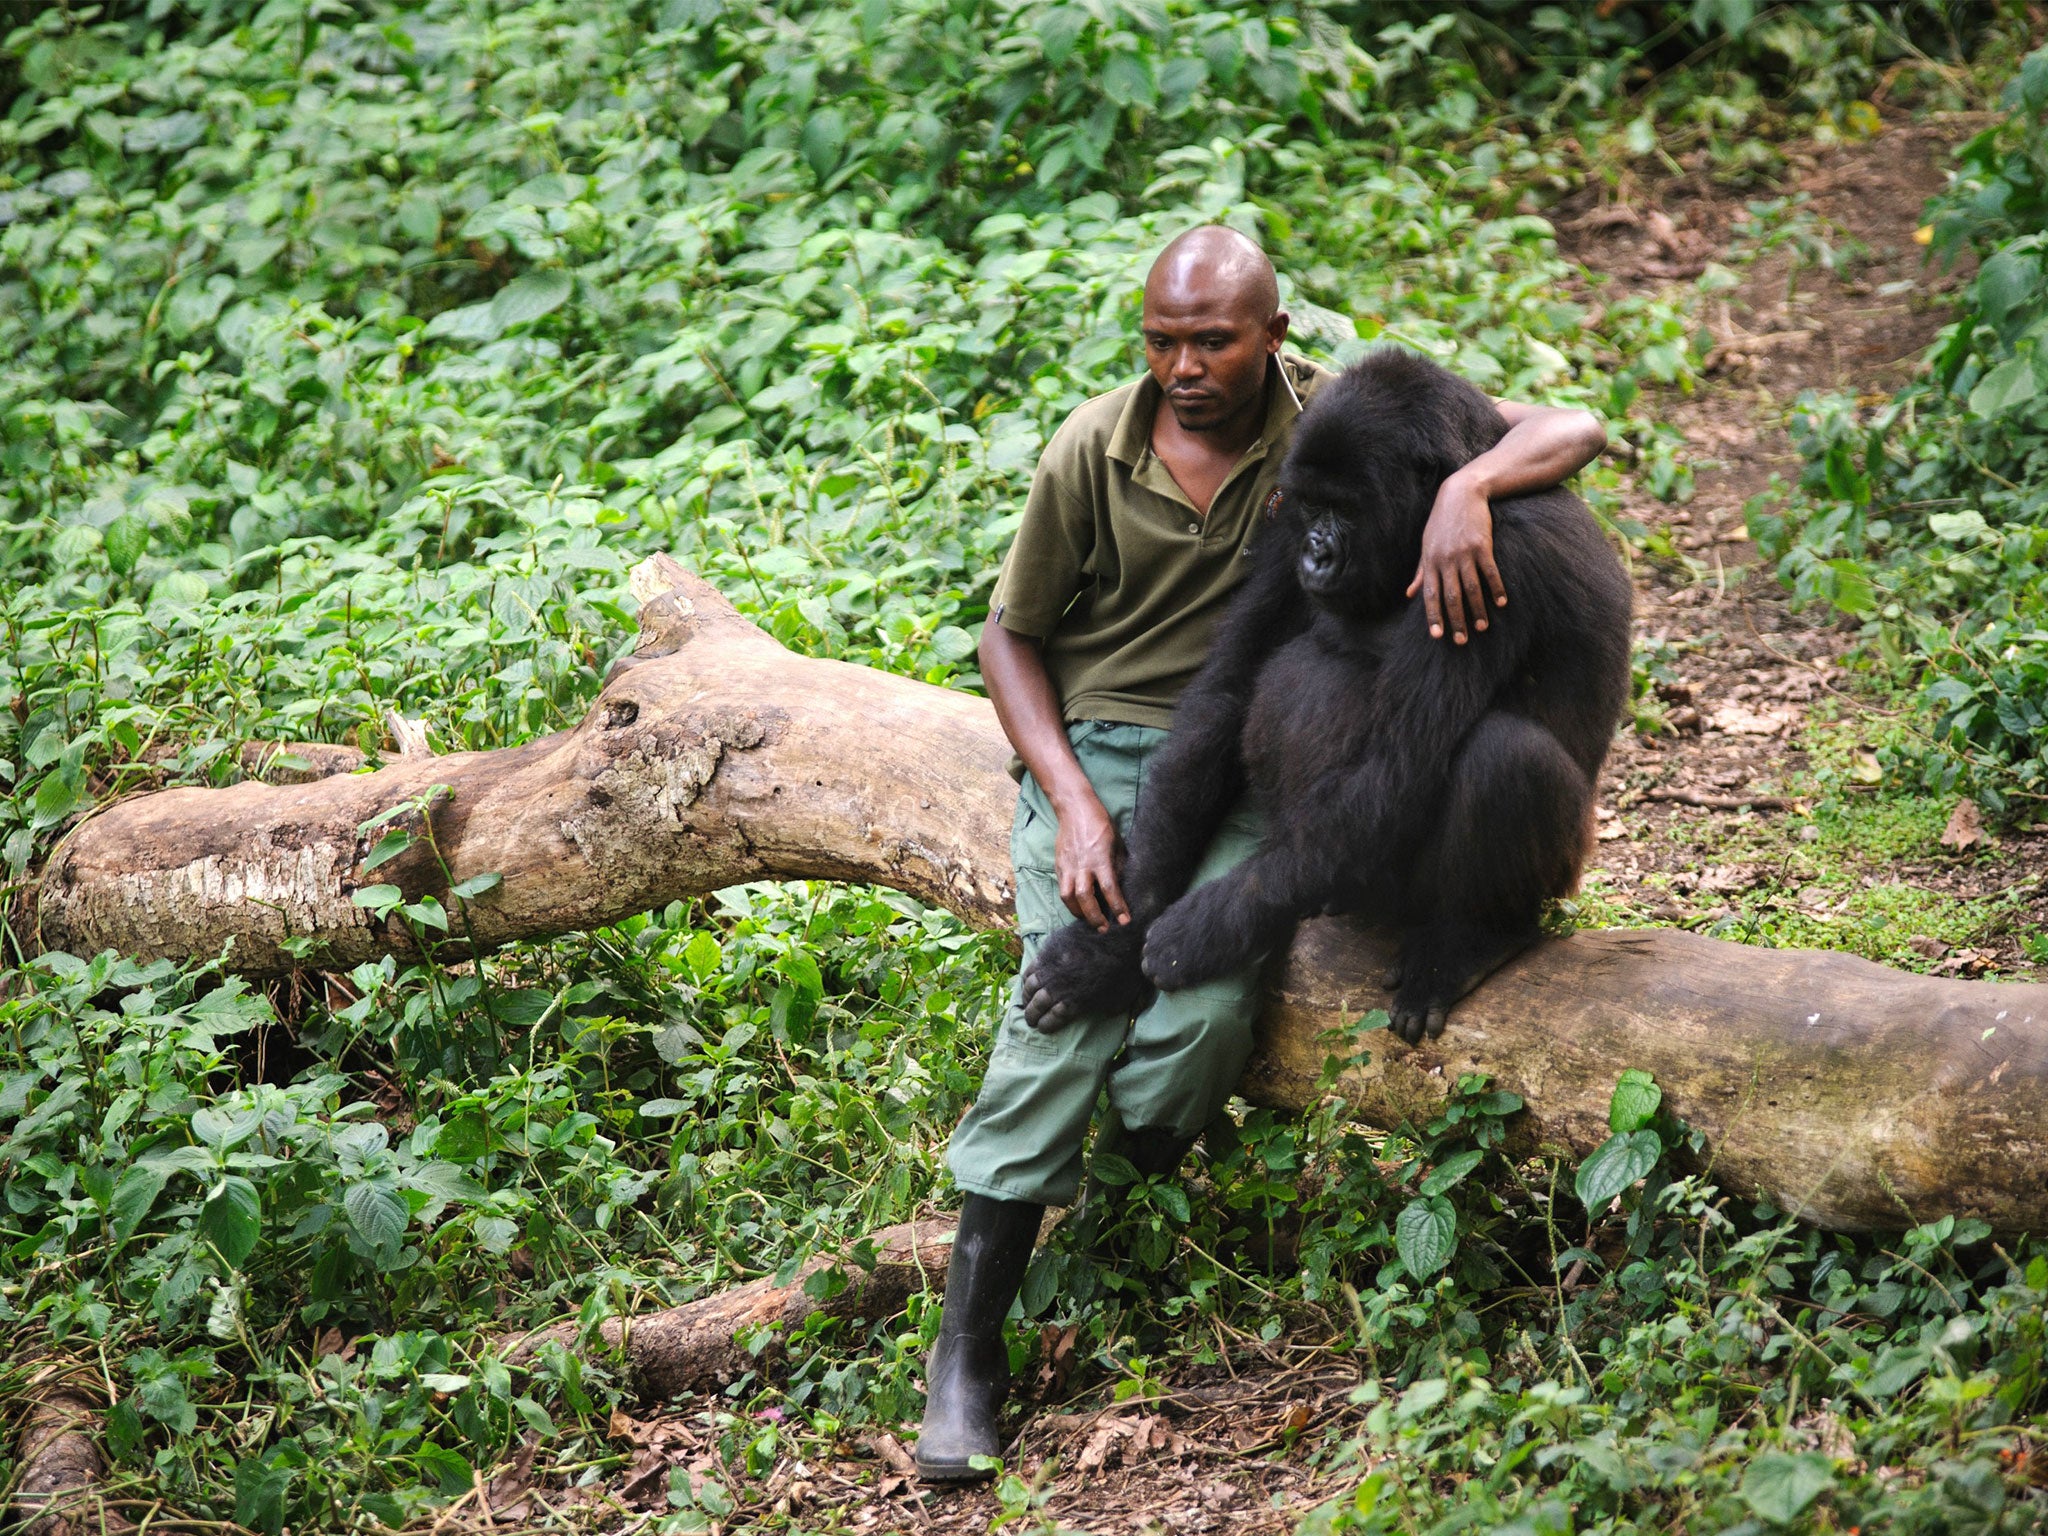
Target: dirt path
pixel 1833 294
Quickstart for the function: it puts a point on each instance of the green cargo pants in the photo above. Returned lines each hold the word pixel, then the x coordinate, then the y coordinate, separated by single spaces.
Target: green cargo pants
pixel 1172 1067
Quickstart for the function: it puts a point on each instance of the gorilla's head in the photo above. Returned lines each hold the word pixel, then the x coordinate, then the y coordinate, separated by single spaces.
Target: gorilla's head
pixel 1363 471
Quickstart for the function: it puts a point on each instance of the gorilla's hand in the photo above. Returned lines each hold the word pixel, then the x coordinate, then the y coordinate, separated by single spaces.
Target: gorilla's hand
pixel 1079 971
pixel 1198 938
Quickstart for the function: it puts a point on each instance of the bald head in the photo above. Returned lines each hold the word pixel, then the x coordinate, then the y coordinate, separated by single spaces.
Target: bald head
pixel 1212 323
pixel 1212 265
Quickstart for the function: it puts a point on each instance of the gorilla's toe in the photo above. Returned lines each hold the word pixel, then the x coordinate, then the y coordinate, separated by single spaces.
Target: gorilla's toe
pixel 1046 1014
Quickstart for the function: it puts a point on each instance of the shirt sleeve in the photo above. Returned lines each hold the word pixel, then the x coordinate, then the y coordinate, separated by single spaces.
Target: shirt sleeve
pixel 1047 565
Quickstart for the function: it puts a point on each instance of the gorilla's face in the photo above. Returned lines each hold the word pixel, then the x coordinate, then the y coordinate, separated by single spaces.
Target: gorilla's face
pixel 1343 561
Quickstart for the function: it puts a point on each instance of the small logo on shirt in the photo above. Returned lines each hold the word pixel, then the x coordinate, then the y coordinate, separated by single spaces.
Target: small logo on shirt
pixel 1273 504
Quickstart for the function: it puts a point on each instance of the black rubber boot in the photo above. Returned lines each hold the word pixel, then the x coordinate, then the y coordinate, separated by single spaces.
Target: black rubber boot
pixel 1156 1151
pixel 968 1374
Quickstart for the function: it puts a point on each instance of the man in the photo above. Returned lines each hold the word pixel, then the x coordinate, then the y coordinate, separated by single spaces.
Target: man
pixel 1134 534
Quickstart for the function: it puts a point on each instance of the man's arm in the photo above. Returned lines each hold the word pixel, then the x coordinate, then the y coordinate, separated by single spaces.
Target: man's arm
pixel 1085 855
pixel 1544 446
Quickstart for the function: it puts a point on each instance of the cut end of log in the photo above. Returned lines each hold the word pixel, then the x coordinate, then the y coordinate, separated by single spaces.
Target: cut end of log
pixel 56 1491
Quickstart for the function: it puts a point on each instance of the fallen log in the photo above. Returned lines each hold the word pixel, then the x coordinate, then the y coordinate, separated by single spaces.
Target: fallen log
pixel 703 1344
pixel 1853 1095
pixel 59 1463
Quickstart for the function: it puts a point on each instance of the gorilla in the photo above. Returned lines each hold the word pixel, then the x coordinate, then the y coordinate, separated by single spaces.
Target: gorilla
pixel 1442 791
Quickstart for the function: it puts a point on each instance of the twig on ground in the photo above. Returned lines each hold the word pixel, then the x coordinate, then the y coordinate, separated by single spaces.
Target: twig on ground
pixel 1705 801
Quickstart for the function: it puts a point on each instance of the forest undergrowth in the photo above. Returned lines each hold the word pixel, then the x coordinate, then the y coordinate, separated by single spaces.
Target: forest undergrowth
pixel 352 353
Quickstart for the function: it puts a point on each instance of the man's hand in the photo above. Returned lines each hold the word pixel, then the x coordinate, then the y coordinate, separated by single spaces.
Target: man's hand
pixel 1457 577
pixel 1085 857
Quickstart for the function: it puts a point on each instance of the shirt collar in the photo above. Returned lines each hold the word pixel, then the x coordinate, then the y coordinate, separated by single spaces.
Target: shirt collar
pixel 1131 442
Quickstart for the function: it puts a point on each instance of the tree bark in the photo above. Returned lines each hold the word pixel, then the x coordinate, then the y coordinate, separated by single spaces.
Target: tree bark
pixel 1853 1095
pixel 704 1344
pixel 55 1491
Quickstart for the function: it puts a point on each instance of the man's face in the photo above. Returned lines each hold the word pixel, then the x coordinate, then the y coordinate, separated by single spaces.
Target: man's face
pixel 1207 349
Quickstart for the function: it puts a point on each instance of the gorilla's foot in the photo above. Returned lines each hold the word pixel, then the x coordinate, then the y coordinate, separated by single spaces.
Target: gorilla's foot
pixel 1198 938
pixel 1438 966
pixel 1078 971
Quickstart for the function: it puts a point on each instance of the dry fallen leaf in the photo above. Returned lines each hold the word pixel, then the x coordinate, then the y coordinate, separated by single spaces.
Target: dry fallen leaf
pixel 1741 720
pixel 330 1342
pixel 1107 1437
pixel 1864 768
pixel 1965 828
pixel 890 1449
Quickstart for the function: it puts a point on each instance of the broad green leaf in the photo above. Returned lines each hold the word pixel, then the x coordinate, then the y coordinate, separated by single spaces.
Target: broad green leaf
pixel 702 955
pixel 661 1109
pixel 427 912
pixel 1894 1370
pixel 2012 383
pixel 378 1214
pixel 2033 83
pixel 1615 1164
pixel 1852 591
pixel 1967 527
pixel 444 1181
pixel 1127 80
pixel 230 1218
pixel 134 1197
pixel 420 217
pixel 56 798
pixel 389 847
pixel 378 898
pixel 2008 280
pixel 464 1138
pixel 225 1129
pixel 1113 1170
pixel 477 885
pixel 1059 29
pixel 1426 1235
pixel 801 970
pixel 1451 1171
pixel 126 539
pixel 1635 1101
pixel 528 297
pixel 823 141
pixel 1780 1488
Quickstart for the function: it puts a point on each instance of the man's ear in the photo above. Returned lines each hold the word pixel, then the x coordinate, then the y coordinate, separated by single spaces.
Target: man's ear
pixel 1276 330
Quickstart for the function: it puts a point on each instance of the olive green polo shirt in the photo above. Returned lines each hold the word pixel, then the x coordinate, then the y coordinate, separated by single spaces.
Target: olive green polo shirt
pixel 1112 566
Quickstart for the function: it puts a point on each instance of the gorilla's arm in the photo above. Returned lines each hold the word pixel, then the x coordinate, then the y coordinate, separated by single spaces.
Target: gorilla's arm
pixel 1191 785
pixel 1199 773
pixel 1426 698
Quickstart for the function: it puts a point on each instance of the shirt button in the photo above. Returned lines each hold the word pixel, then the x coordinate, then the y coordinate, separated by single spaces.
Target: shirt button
pixel 1194 527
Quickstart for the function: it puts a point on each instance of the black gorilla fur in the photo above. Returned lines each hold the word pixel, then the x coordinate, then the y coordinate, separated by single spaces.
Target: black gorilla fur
pixel 1443 790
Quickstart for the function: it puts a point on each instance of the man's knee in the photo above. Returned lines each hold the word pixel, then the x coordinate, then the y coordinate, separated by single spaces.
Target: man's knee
pixel 1186 1054
pixel 1022 1139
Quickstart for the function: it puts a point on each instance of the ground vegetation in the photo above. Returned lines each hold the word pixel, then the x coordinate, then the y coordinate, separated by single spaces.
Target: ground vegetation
pixel 352 353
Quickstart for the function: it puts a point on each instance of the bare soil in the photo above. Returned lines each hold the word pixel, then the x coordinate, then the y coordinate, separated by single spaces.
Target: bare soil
pixel 1844 300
